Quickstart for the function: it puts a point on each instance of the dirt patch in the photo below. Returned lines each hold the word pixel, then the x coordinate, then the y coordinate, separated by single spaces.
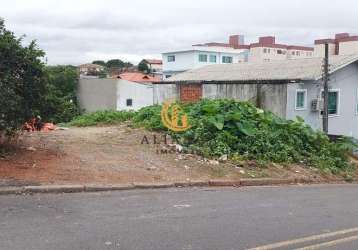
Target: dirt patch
pixel 119 154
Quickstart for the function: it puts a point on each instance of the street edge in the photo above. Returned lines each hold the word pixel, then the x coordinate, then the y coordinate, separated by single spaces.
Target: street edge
pixel 138 185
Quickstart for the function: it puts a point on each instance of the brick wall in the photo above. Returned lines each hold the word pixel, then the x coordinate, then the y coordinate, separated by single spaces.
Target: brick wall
pixel 190 92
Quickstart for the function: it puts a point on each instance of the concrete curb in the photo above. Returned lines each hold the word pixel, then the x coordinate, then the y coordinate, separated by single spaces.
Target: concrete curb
pixel 138 185
pixel 54 189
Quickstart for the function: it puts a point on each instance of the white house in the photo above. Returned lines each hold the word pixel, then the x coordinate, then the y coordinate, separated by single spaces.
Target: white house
pixel 90 69
pixel 200 55
pixel 155 65
pixel 127 91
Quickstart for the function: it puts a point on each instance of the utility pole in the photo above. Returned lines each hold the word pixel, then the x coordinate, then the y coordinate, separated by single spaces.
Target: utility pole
pixel 325 89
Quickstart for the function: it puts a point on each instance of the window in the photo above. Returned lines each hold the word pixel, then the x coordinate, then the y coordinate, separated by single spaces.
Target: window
pixel 129 102
pixel 227 59
pixel 203 58
pixel 167 76
pixel 333 101
pixel 171 58
pixel 213 58
pixel 293 53
pixel 301 99
pixel 279 52
pixel 265 50
pixel 297 53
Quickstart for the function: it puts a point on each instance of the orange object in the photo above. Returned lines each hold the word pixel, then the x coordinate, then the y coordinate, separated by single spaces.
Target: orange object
pixel 35 125
pixel 48 127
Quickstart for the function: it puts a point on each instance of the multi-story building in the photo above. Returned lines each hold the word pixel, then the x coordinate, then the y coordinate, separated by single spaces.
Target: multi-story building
pixel 266 49
pixel 342 44
pixel 204 54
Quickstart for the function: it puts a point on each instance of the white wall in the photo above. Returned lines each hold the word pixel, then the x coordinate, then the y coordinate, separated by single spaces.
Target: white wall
pixel 183 61
pixel 346 122
pixel 348 48
pixel 141 95
pixel 187 60
pixel 319 49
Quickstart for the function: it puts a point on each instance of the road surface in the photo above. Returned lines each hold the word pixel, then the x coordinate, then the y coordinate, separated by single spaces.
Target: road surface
pixel 288 217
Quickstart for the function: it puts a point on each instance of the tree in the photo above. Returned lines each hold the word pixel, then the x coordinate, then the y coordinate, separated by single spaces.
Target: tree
pixel 143 66
pixel 22 81
pixel 115 63
pixel 128 64
pixel 100 62
pixel 61 101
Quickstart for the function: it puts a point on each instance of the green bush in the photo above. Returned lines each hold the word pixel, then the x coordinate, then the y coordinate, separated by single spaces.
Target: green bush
pixel 101 118
pixel 149 118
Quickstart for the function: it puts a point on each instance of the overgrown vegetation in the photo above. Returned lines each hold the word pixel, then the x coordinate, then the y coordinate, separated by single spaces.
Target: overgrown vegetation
pixel 243 132
pixel 101 118
pixel 149 118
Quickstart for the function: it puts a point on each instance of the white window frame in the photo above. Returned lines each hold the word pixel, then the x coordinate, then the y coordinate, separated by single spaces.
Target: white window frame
pixel 305 99
pixel 338 102
pixel 232 59
pixel 212 56
pixel 171 56
pixel 203 55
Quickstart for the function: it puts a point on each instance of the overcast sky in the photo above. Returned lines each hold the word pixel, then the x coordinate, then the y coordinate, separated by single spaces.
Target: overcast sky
pixel 79 31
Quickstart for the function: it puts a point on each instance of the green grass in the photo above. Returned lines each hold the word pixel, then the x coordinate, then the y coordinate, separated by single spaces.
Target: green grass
pixel 108 117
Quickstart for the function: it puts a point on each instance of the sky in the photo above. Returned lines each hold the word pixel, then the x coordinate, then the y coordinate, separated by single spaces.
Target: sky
pixel 80 31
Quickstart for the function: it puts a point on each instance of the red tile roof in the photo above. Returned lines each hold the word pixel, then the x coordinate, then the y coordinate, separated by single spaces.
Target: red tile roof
pixel 138 77
pixel 90 65
pixel 153 61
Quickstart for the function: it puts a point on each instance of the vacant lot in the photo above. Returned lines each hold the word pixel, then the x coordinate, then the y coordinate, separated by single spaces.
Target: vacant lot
pixel 119 154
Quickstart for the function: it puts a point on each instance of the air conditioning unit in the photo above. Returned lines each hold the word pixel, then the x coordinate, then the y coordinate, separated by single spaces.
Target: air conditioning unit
pixel 316 105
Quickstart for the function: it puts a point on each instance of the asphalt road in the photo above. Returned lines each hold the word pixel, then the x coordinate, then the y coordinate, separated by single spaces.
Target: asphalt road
pixel 188 218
